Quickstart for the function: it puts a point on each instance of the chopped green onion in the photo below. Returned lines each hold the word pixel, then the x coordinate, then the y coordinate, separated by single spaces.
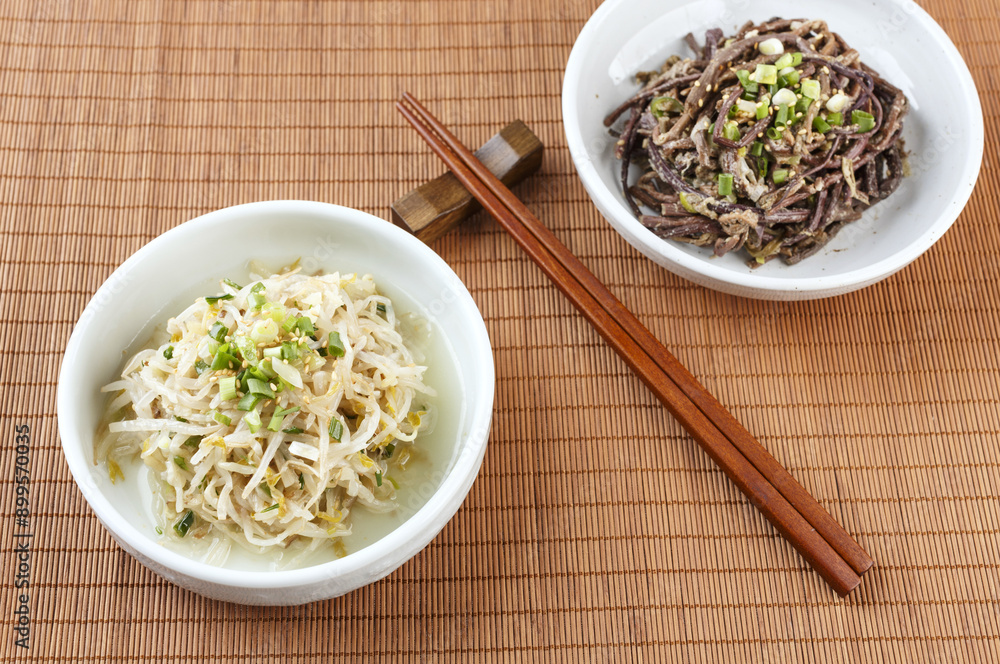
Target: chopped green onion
pixel 232 284
pixel 731 131
pixel 249 401
pixel 773 134
pixel 380 308
pixel 749 96
pixel 821 125
pixel 180 419
pixel 268 509
pixel 393 482
pixel 257 287
pixel 780 175
pixel 794 159
pixel 292 430
pixel 663 105
pixel 389 449
pixel 192 441
pixel 302 481
pixel 216 298
pixel 168 353
pixel 686 203
pixel 865 121
pixel 289 323
pixel 378 479
pixel 279 417
pixel 784 61
pixel 256 300
pixel 181 462
pixel 272 352
pixel 253 421
pixel 305 326
pixel 336 429
pixel 835 119
pixel 796 59
pixel 773 89
pixel 762 110
pixel 811 88
pixel 159 531
pixel 335 346
pixel 247 348
pixel 260 387
pixel 200 367
pixel 227 388
pixel 782 118
pixel 725 184
pixel 802 105
pixel 762 166
pixel 757 148
pixel 223 360
pixel 289 351
pixel 748 85
pixel 222 418
pixel 184 524
pixel 789 79
pixel 218 332
pixel 766 74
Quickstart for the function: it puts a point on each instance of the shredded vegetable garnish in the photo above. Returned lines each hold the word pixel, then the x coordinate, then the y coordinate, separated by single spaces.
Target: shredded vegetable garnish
pixel 769 141
pixel 273 409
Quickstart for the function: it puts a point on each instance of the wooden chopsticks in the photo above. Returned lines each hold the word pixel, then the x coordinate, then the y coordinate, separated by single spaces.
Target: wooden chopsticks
pixel 786 504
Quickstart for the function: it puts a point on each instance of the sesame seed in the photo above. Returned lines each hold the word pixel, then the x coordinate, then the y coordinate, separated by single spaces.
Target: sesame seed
pixel 802 132
pixel 767 147
pixel 760 134
pixel 701 102
pixel 228 338
pixel 272 386
pixel 697 83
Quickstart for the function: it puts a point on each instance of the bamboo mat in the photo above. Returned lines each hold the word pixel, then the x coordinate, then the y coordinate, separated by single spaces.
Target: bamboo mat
pixel 597 531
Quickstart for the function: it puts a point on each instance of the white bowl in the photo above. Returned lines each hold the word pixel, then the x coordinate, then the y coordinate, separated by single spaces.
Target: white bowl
pixel 943 133
pixel 188 261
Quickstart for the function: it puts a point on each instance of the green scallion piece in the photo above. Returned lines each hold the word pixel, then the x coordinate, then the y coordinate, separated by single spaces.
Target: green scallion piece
pixel 762 166
pixel 388 450
pixel 260 387
pixel 781 119
pixel 183 525
pixel 249 401
pixel 796 59
pixel 256 300
pixel 223 360
pixel 757 148
pixel 217 298
pixel 268 509
pixel 192 442
pixel 780 175
pixel 865 121
pixel 835 119
pixel 725 184
pixel 257 287
pixel 395 485
pixel 291 430
pixel 289 351
pixel 253 421
pixel 159 531
pixel 305 326
pixel 247 349
pixel 336 429
pixel 232 284
pixel 748 85
pixel 168 353
pixel 218 332
pixel 378 479
pixel 821 125
pixel 380 308
pixel 222 418
pixel 789 79
pixel 766 74
pixel 335 346
pixel 784 61
pixel 762 110
pixel 302 482
pixel 181 462
pixel 802 105
pixel 686 204
pixel 731 131
pixel 811 88
pixel 663 105
pixel 227 388
pixel 272 352
pixel 200 367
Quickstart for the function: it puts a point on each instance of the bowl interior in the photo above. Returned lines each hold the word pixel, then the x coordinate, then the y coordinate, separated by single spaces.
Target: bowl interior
pixel 943 131
pixel 188 261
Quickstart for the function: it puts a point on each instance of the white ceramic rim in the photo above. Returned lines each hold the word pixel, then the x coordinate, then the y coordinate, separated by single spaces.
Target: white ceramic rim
pixel 638 236
pixel 424 524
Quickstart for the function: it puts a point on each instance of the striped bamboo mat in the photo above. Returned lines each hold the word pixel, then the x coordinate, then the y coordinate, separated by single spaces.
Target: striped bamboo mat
pixel 597 530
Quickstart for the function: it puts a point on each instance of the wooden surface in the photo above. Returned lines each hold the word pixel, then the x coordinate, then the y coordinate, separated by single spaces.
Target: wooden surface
pixel 597 531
